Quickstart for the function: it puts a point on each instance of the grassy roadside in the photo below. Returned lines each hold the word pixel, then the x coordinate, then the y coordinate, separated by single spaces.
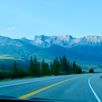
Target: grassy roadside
pixel 10 79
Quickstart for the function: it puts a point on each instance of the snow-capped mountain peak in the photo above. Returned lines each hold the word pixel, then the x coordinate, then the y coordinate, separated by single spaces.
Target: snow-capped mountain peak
pixel 66 40
pixel 94 39
pixel 47 41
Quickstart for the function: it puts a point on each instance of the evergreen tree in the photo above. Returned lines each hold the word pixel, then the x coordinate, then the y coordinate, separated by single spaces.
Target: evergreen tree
pixel 51 68
pixel 17 71
pixel 91 70
pixel 78 70
pixel 34 67
pixel 69 70
pixel 74 67
pixel 31 66
pixel 14 70
pixel 56 67
pixel 45 68
pixel 65 64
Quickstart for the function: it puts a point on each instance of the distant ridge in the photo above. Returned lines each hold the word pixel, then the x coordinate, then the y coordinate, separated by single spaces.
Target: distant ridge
pixel 66 40
pixel 85 50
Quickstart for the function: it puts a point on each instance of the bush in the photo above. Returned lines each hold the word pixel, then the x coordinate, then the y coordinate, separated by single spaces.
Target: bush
pixel 91 70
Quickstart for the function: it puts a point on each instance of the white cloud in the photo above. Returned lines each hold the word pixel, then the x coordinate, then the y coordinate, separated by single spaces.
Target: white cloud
pixel 12 28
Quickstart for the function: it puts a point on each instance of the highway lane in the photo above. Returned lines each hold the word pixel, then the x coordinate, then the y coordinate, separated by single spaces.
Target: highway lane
pixel 96 83
pixel 75 88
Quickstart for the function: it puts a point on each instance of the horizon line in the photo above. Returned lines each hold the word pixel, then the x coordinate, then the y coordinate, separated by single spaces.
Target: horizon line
pixel 50 36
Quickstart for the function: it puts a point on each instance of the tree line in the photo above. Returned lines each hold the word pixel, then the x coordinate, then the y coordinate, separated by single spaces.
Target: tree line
pixel 58 66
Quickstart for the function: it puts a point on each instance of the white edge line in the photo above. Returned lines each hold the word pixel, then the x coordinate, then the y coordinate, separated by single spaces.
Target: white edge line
pixel 21 83
pixel 96 96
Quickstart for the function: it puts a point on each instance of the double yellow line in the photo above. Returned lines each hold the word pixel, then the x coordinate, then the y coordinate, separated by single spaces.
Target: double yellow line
pixel 43 89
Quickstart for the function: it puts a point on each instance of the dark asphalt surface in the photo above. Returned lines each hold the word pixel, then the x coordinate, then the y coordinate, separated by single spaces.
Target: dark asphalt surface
pixel 75 89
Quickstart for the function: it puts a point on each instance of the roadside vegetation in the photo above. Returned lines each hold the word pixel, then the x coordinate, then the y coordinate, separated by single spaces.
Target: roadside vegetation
pixel 59 66
pixel 91 70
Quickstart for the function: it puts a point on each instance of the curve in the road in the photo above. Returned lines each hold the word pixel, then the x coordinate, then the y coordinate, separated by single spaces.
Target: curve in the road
pixel 96 96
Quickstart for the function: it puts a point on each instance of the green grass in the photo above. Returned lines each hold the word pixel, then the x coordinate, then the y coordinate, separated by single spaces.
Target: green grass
pixel 28 77
pixel 6 57
pixel 9 57
pixel 9 79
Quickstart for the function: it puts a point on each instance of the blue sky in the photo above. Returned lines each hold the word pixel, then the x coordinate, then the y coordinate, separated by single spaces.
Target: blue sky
pixel 27 18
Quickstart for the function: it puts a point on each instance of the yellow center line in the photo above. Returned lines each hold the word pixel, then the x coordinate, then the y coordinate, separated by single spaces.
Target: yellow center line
pixel 43 89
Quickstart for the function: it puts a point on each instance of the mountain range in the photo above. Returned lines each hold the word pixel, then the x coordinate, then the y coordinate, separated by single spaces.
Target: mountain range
pixel 86 50
pixel 66 41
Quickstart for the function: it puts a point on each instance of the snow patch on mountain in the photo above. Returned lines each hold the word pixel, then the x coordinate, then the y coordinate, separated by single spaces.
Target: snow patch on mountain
pixel 66 41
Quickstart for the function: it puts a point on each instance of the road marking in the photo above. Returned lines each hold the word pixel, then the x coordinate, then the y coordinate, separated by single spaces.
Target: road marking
pixel 21 83
pixel 43 89
pixel 16 84
pixel 96 96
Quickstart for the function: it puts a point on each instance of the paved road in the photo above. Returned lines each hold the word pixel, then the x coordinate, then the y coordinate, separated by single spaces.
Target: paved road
pixel 72 88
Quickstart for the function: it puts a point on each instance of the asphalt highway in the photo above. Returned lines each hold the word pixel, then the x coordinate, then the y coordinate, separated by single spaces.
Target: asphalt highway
pixel 69 88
